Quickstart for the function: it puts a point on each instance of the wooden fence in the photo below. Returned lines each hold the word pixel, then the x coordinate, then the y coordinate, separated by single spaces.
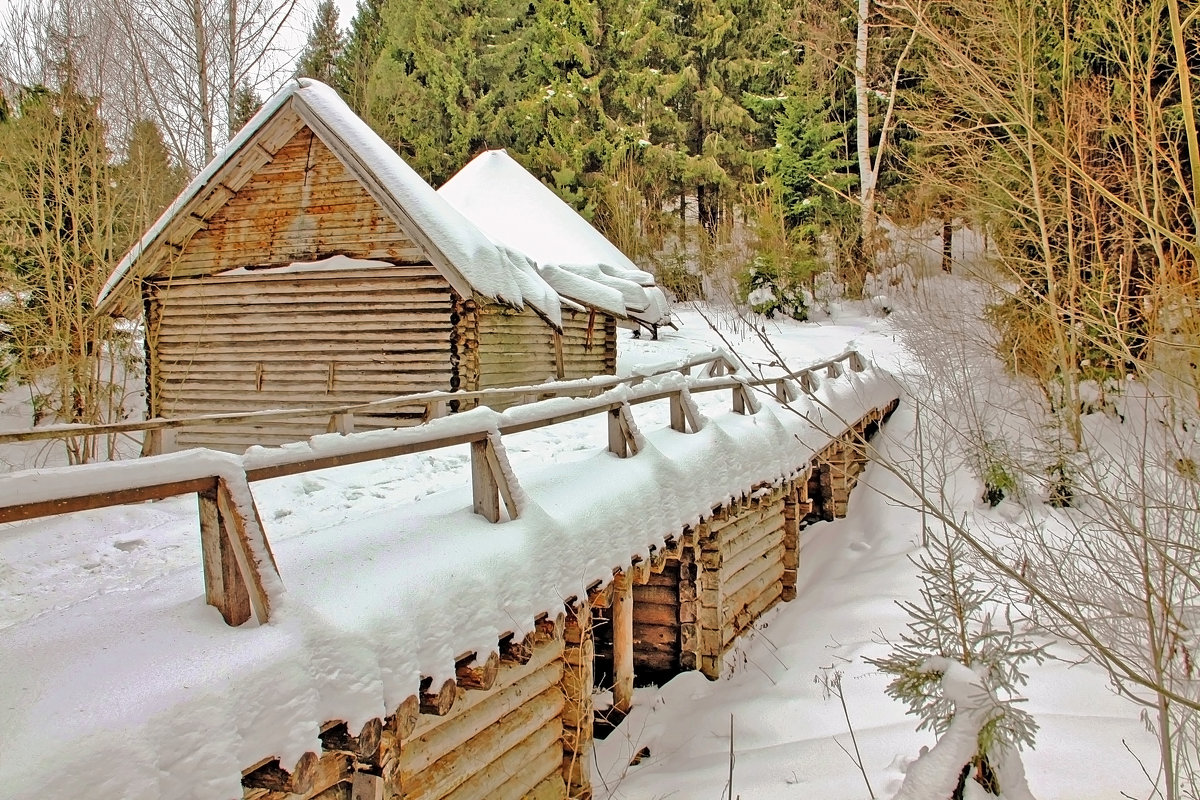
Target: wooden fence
pixel 159 432
pixel 238 565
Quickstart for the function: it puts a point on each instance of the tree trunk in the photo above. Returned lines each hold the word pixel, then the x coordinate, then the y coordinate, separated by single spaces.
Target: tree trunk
pixel 866 187
pixel 947 243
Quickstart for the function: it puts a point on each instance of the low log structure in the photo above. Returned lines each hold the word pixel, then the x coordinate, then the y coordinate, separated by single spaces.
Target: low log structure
pixel 516 720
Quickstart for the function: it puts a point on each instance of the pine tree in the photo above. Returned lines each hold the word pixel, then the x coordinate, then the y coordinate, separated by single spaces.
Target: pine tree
pixel 700 78
pixel 809 161
pixel 148 179
pixel 246 104
pixel 434 93
pixel 324 46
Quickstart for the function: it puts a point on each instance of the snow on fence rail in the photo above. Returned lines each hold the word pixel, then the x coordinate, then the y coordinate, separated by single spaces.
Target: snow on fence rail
pixel 240 574
pixel 341 418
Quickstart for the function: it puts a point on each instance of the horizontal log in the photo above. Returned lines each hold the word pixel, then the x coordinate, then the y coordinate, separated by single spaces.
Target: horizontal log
pixel 509 674
pixel 516 772
pixel 744 596
pixel 655 614
pixel 404 719
pixel 737 538
pixel 424 749
pixel 734 581
pixel 532 716
pixel 769 546
pixel 440 699
pixel 476 674
pixel 745 618
pixel 651 636
pixel 657 594
pixel 273 777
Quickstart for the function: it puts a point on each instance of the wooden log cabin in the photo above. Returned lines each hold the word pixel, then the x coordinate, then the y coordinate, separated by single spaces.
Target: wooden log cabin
pixel 309 267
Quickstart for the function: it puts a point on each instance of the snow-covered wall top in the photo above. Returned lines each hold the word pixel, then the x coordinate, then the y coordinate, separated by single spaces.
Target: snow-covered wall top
pixel 459 246
pixel 147 693
pixel 512 206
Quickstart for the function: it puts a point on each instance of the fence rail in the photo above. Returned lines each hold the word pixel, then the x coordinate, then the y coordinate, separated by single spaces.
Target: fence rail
pixel 239 568
pixel 341 417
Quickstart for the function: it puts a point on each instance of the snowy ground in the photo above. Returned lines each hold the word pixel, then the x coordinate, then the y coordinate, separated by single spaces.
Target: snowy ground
pixel 787 735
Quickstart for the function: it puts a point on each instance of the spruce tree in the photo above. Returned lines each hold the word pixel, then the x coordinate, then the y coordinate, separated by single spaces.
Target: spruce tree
pixel 559 127
pixel 324 46
pixel 361 48
pixel 433 93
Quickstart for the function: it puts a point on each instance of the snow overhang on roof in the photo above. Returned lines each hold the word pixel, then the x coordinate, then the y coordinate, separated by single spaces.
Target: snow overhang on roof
pixel 468 258
pixel 516 209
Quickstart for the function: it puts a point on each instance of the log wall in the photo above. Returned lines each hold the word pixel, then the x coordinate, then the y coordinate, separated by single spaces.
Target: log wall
pixel 521 724
pixel 518 348
pixel 257 342
pixel 300 205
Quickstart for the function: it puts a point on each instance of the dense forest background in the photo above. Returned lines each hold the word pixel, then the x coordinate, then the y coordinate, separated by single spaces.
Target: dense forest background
pixel 738 148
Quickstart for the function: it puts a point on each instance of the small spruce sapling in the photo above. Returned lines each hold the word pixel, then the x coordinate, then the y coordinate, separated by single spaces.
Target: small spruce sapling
pixel 955 621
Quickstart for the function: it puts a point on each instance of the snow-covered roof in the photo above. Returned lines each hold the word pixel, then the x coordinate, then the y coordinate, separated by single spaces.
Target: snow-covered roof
pixel 469 260
pixel 516 209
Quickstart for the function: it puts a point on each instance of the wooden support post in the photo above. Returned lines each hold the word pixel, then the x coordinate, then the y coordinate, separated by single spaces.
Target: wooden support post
pixel 484 486
pixel 341 423
pixel 578 657
pixel 622 625
pixel 791 538
pixel 560 367
pixel 834 370
pixel 781 392
pixel 678 416
pixel 232 582
pixel 744 401
pixel 856 361
pixel 616 437
pixel 159 441
pixel 809 382
pixel 621 439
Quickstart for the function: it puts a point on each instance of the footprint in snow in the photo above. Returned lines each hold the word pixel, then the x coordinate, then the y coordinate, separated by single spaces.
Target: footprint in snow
pixel 860 546
pixel 129 545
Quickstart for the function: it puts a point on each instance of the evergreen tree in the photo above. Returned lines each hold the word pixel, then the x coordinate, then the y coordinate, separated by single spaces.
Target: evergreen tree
pixel 148 179
pixel 246 105
pixel 700 81
pixel 559 125
pixel 324 46
pixel 436 91
pixel 956 623
pixel 361 48
pixel 809 160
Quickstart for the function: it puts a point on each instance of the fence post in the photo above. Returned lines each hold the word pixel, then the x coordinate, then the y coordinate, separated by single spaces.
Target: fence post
pixel 233 581
pixel 622 627
pixel 484 487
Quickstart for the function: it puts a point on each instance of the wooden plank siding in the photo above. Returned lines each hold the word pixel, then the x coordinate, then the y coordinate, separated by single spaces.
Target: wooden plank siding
pixel 255 342
pixel 300 206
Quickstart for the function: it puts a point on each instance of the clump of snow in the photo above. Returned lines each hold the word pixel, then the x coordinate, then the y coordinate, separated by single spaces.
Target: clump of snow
pixel 333 263
pixel 936 773
pixel 516 209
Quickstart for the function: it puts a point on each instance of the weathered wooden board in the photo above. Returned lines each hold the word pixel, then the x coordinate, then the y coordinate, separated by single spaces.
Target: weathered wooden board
pixel 247 357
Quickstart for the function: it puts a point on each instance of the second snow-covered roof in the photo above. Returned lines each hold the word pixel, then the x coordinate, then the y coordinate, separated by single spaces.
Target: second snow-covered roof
pixel 516 209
